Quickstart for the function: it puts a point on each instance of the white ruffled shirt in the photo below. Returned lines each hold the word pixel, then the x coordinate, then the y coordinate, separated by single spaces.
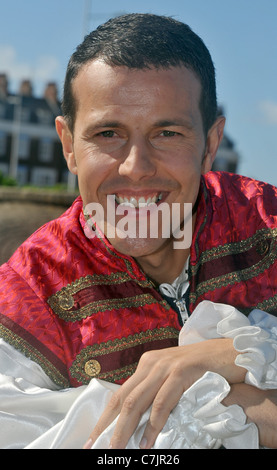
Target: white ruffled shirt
pixel 34 414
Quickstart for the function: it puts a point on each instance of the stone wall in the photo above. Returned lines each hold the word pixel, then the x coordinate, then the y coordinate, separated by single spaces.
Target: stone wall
pixel 24 211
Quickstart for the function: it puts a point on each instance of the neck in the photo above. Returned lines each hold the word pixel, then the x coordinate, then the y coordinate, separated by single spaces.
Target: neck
pixel 164 268
pixel 166 264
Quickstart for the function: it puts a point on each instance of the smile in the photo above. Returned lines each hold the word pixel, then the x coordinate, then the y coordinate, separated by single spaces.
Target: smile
pixel 138 202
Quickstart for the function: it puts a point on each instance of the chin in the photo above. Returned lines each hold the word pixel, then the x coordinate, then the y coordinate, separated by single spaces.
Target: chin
pixel 138 247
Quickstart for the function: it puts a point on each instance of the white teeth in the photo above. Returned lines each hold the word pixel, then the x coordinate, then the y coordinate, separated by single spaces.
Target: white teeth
pixel 141 202
pixel 133 201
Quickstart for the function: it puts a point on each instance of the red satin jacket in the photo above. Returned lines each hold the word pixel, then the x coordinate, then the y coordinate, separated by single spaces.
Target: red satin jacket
pixel 80 309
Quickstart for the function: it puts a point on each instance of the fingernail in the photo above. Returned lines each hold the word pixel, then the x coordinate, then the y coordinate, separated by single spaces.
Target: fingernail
pixel 143 443
pixel 88 444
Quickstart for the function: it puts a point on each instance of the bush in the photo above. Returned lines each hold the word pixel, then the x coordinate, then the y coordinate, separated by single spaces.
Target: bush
pixel 6 180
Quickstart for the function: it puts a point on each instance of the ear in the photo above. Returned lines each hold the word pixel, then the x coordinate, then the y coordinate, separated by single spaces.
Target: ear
pixel 214 138
pixel 66 138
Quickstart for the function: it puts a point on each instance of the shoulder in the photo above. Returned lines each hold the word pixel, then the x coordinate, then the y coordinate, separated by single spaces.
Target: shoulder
pixel 243 197
pixel 231 183
pixel 45 253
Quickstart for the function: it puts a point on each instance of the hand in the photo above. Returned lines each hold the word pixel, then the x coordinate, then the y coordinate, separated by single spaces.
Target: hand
pixel 260 407
pixel 161 378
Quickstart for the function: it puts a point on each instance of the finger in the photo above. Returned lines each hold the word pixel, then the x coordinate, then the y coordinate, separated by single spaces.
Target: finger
pixel 166 400
pixel 113 408
pixel 133 407
pixel 110 412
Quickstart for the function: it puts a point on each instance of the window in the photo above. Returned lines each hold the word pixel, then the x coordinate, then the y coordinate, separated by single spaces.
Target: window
pixel 3 143
pixel 44 116
pixel 44 176
pixel 24 146
pixel 45 153
pixel 2 110
pixel 22 174
pixel 25 114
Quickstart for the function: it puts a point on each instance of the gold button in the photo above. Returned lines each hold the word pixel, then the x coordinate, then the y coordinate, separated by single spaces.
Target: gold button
pixel 262 247
pixel 92 368
pixel 66 301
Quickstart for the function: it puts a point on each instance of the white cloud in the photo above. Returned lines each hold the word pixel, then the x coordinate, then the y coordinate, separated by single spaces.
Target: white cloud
pixel 43 69
pixel 269 111
pixel 11 65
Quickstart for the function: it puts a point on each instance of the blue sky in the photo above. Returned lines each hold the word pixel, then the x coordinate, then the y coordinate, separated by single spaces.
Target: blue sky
pixel 37 38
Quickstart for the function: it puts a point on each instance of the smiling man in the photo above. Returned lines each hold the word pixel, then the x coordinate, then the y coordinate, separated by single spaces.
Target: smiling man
pixel 140 128
pixel 140 137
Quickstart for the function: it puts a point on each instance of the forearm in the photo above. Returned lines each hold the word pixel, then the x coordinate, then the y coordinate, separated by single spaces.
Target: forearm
pixel 260 407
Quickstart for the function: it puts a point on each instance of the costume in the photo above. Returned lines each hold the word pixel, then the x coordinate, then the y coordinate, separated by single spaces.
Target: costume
pixel 80 309
pixel 35 415
pixel 82 314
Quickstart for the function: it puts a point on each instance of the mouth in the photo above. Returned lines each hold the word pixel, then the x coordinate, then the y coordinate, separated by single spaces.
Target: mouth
pixel 138 201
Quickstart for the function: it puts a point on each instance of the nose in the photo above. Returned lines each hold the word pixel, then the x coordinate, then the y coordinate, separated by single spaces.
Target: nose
pixel 138 163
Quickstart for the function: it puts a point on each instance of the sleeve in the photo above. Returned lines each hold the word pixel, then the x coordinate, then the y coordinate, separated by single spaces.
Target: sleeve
pixel 254 337
pixel 30 403
pixel 35 414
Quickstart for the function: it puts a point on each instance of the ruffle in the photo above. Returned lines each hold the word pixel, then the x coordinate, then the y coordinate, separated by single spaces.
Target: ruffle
pixel 254 337
pixel 199 421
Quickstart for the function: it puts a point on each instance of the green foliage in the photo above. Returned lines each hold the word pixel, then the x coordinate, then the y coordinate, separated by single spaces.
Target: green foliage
pixel 6 180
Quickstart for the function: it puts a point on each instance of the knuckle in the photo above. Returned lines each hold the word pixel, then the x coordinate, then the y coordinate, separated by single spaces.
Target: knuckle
pixel 148 358
pixel 144 358
pixel 177 371
pixel 114 402
pixel 129 403
pixel 159 406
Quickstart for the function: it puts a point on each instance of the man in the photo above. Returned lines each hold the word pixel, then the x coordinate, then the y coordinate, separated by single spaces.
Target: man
pixel 140 127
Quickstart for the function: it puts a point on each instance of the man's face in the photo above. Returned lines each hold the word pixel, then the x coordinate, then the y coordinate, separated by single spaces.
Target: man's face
pixel 137 134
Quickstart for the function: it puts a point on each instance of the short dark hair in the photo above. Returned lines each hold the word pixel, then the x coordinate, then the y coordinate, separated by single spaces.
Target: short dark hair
pixel 142 41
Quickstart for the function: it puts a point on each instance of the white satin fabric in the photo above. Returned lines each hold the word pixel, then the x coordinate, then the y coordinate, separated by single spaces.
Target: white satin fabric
pixel 255 337
pixel 34 414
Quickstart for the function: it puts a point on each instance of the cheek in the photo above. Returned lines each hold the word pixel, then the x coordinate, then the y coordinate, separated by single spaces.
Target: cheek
pixel 187 168
pixel 92 169
pixel 189 175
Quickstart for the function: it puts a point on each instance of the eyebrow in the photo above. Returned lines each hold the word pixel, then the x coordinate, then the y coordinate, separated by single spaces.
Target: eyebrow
pixel 174 122
pixel 102 124
pixel 117 124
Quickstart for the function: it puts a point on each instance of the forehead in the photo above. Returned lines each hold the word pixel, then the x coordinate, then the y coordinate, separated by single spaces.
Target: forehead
pixel 99 86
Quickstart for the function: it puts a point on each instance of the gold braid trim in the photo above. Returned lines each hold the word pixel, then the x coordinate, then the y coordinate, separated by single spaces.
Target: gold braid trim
pixel 62 302
pixel 78 369
pixel 235 247
pixel 232 249
pixel 268 305
pixel 32 353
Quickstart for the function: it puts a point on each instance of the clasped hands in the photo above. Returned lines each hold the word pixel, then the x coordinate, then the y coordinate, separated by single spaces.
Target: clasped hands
pixel 161 378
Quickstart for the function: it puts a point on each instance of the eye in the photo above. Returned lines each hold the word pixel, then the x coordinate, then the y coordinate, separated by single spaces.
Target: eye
pixel 107 134
pixel 169 133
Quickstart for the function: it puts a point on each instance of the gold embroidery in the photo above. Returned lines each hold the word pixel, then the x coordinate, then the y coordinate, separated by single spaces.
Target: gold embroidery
pixel 262 247
pixel 236 247
pixel 31 352
pixel 95 280
pixel 119 374
pixel 268 305
pixel 80 371
pixel 63 301
pixel 105 304
pixel 258 240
